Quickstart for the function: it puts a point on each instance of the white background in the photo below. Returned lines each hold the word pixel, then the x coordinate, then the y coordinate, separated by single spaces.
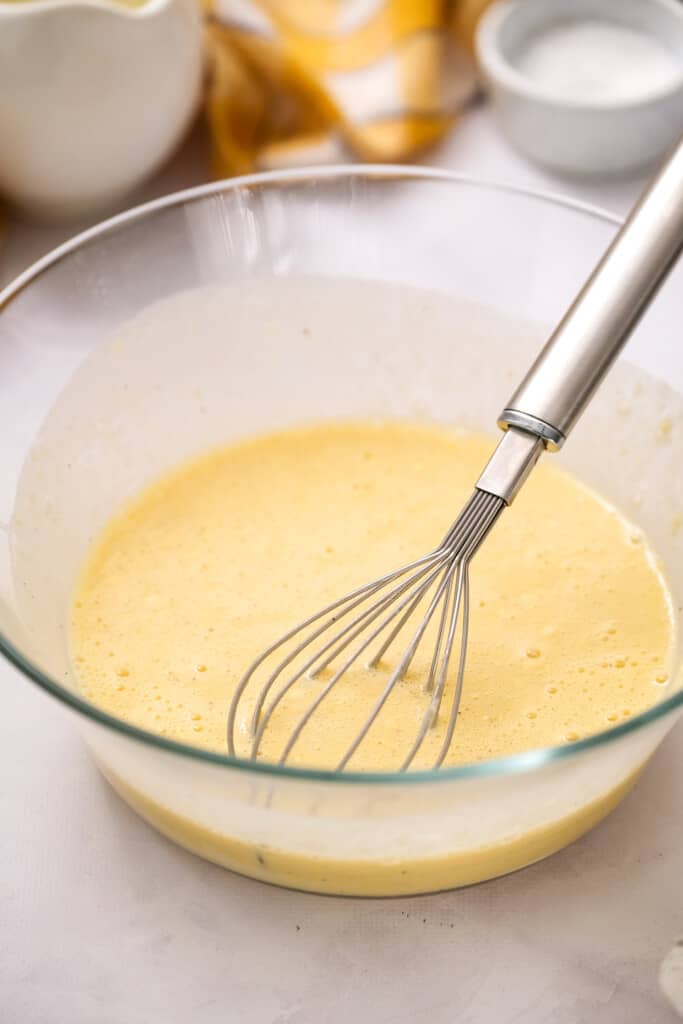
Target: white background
pixel 102 921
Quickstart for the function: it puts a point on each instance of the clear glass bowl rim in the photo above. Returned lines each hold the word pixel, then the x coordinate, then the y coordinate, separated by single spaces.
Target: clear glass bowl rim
pixel 525 761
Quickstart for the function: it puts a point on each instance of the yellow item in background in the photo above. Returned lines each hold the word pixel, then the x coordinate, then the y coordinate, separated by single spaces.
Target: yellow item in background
pixel 302 81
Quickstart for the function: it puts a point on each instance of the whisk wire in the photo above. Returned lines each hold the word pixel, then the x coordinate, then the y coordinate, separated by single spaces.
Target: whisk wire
pixel 464 595
pixel 367 617
pixel 356 596
pixel 340 641
pixel 431 714
pixel 490 517
pixel 441 577
pixel 429 685
pixel 356 627
pixel 398 672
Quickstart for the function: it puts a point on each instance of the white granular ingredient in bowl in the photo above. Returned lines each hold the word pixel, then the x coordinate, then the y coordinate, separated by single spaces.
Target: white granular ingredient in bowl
pixel 598 60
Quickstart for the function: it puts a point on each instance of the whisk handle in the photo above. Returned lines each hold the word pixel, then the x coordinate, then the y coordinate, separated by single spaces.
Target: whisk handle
pixel 574 361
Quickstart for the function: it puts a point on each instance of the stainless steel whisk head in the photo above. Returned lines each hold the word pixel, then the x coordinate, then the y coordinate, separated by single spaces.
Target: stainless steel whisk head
pixel 436 587
pixel 374 615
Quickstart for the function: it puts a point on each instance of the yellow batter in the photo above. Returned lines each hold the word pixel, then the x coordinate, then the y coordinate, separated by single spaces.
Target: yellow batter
pixel 571 621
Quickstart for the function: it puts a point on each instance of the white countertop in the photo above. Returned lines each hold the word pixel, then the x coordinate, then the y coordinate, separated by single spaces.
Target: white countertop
pixel 102 921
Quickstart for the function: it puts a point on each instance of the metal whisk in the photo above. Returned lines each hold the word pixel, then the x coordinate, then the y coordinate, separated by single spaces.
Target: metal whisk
pixel 435 588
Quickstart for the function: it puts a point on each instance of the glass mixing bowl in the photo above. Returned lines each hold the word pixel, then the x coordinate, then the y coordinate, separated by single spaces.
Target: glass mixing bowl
pixel 327 293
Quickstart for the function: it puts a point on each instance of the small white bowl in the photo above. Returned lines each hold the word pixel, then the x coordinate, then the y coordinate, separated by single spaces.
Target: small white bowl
pixel 596 136
pixel 94 95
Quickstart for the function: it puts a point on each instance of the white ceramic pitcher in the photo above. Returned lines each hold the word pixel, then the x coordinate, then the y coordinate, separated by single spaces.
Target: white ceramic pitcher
pixel 93 95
